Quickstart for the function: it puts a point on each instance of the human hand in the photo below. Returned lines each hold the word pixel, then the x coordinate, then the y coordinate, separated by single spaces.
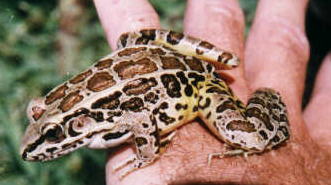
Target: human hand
pixel 276 54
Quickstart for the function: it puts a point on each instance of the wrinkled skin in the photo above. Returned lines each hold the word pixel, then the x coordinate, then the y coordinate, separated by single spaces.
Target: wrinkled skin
pixel 276 54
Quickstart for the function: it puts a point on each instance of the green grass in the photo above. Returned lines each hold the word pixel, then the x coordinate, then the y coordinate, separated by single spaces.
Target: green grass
pixel 28 68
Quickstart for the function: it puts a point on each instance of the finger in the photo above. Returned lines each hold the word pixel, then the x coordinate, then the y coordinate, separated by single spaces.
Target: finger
pixel 116 18
pixel 221 23
pixel 317 113
pixel 277 49
pixel 122 16
pixel 277 52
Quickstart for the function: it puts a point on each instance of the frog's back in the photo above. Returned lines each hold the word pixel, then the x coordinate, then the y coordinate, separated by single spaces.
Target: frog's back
pixel 140 53
pixel 112 72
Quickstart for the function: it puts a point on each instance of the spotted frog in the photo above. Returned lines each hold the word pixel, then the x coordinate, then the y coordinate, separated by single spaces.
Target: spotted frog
pixel 155 82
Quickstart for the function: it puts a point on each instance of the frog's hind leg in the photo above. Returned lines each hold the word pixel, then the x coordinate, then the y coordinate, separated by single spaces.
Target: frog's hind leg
pixel 260 125
pixel 277 114
pixel 183 44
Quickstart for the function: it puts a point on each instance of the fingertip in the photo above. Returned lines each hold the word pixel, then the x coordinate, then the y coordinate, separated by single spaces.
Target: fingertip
pixel 219 22
pixel 120 16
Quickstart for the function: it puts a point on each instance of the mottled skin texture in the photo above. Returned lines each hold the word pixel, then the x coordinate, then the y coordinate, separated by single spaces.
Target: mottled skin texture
pixel 157 81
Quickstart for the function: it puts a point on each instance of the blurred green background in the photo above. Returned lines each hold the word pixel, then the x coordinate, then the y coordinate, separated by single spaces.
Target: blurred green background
pixel 43 43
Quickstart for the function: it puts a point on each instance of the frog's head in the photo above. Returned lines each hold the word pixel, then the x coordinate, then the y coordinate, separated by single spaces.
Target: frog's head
pixel 52 134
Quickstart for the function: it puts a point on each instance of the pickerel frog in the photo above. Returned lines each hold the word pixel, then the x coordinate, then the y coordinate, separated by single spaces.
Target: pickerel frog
pixel 154 83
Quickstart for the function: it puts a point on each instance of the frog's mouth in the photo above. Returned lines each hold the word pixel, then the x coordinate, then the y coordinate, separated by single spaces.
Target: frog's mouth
pixel 51 152
pixel 26 153
pixel 31 134
pixel 41 156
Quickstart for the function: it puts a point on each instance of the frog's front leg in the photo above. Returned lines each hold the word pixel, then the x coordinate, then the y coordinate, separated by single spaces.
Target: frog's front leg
pixel 145 136
pixel 138 160
pixel 260 125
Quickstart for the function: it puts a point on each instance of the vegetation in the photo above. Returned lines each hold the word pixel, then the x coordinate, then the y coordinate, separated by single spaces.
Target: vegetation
pixel 30 48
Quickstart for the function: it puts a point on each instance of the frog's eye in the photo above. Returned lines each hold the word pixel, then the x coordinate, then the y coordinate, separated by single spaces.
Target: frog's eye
pixel 53 133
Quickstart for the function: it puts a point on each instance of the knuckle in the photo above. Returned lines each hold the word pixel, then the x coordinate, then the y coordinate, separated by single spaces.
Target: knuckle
pixel 287 36
pixel 227 9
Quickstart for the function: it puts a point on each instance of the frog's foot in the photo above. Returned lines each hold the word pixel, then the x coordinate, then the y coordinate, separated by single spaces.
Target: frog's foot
pixel 127 161
pixel 229 153
pixel 164 142
pixel 130 167
pixel 126 171
pixel 137 163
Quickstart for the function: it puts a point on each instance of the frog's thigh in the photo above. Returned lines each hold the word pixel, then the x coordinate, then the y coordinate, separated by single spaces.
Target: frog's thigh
pixel 266 106
pixel 263 121
pixel 273 106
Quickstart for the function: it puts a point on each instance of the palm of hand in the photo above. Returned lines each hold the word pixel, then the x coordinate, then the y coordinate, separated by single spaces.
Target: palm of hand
pixel 274 58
